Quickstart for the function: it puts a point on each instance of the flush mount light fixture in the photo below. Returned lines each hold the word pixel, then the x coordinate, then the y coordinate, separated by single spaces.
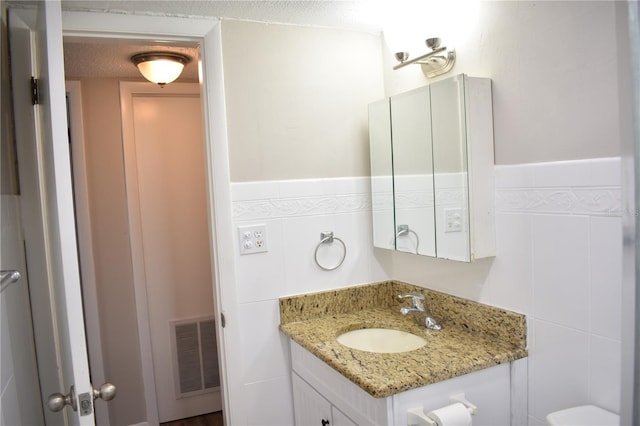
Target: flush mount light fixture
pixel 439 61
pixel 160 67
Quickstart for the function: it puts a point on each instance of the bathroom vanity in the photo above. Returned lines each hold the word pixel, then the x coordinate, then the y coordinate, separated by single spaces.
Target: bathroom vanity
pixel 320 393
pixel 480 351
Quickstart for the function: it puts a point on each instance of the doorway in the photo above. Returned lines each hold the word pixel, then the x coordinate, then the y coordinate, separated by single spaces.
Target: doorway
pixel 127 322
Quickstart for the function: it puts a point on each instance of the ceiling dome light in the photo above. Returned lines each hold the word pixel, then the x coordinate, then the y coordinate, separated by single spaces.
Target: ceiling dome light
pixel 160 67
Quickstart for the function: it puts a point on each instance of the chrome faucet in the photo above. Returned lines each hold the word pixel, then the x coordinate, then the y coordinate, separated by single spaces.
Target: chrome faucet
pixel 420 314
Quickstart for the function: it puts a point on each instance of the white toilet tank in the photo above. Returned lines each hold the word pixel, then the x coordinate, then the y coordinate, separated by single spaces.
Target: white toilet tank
pixel 584 415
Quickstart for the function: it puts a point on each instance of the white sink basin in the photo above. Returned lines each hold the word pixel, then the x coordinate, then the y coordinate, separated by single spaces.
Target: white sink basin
pixel 381 340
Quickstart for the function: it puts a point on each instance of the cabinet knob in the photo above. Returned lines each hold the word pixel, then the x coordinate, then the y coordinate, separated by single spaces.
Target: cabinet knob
pixel 325 422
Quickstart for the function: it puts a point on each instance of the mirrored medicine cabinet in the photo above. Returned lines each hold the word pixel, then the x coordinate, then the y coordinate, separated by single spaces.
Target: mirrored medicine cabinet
pixel 431 153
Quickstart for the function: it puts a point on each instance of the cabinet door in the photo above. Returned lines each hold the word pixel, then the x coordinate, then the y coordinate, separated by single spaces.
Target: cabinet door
pixel 413 172
pixel 340 419
pixel 450 169
pixel 310 408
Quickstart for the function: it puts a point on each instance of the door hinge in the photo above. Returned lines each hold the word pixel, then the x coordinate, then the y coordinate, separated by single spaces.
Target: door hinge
pixel 35 92
pixel 223 321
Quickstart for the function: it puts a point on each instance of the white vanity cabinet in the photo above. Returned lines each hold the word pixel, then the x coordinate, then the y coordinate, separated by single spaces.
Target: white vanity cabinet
pixel 322 394
pixel 357 405
pixel 311 408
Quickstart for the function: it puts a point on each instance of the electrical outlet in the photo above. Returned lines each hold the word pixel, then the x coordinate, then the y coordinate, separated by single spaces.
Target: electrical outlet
pixel 252 239
pixel 453 220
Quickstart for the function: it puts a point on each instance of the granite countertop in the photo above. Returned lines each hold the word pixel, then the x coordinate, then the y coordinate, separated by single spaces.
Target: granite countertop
pixel 474 336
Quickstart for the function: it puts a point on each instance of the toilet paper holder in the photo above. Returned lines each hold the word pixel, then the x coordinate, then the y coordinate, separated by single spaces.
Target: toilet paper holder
pixel 459 397
pixel 418 417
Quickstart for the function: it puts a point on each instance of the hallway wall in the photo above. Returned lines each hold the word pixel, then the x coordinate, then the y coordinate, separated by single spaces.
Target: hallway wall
pixel 112 253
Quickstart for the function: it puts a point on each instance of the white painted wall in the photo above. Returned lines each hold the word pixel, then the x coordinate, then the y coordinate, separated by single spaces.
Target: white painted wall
pixel 552 99
pixel 296 100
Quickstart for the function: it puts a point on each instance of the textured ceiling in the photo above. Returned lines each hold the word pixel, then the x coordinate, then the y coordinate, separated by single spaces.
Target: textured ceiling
pixel 347 14
pixel 83 60
pixel 112 59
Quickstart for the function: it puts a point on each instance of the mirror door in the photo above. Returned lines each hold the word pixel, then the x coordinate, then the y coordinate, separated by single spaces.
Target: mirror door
pixel 413 172
pixel 451 181
pixel 381 175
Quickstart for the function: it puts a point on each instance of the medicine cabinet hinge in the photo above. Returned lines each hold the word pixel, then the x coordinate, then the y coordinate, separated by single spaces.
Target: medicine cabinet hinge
pixel 223 322
pixel 35 92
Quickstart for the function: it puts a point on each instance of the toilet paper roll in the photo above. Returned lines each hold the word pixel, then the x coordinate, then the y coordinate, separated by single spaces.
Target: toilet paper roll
pixel 451 415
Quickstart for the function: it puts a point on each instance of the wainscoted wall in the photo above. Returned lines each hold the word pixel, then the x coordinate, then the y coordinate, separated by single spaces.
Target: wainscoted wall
pixel 558 231
pixel 559 254
pixel 295 212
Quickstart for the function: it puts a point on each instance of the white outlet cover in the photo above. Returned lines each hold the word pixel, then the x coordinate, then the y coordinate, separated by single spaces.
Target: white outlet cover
pixel 252 239
pixel 453 219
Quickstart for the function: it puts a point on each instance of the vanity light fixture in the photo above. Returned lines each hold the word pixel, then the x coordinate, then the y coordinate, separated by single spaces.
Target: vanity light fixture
pixel 160 67
pixel 437 62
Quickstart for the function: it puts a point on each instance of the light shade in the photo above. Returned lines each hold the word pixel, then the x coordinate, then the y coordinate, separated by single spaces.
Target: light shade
pixel 160 67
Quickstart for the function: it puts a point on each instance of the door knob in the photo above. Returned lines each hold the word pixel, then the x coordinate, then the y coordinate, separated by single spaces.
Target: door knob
pixel 58 401
pixel 106 392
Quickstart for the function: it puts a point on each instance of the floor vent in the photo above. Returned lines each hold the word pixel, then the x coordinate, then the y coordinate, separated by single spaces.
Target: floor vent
pixel 195 356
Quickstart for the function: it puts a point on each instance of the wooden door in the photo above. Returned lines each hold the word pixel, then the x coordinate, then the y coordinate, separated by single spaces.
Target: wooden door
pixel 48 214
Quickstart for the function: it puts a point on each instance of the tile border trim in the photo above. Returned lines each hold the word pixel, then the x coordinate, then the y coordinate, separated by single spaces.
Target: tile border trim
pixel 584 187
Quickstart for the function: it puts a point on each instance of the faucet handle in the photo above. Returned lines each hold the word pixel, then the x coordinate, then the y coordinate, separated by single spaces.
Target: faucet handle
pixel 417 299
pixel 412 295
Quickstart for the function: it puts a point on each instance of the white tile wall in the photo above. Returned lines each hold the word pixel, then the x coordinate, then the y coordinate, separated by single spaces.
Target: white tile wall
pixel 559 365
pixel 559 244
pixel 270 402
pixel 19 392
pixel 295 212
pixel 605 263
pixel 560 270
pixel 9 409
pixel 604 372
pixel 558 230
pixel 511 275
pixel 266 353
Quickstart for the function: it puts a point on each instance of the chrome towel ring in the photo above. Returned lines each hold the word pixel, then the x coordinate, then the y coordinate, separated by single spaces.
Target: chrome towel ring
pixel 405 230
pixel 328 238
